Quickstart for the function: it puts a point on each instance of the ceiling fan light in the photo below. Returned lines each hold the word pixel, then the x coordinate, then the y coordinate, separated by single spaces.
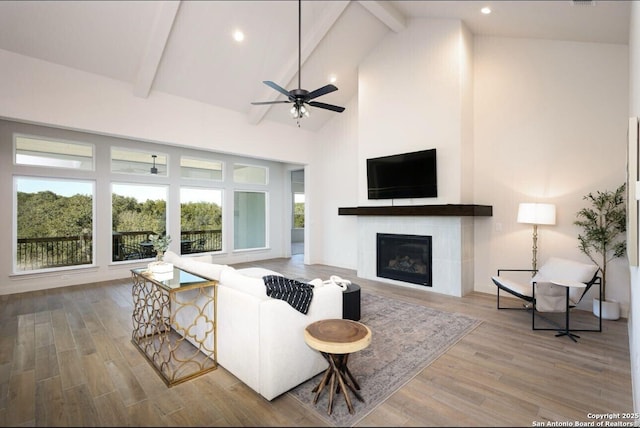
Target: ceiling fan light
pixel 298 111
pixel 301 96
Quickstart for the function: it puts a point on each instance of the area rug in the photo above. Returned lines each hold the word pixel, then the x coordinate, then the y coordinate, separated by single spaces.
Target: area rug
pixel 405 338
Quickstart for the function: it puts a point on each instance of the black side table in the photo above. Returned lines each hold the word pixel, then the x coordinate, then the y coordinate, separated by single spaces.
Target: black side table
pixel 351 302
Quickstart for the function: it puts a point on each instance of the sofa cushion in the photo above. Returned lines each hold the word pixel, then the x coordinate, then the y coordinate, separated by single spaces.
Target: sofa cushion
pixel 204 258
pixel 557 268
pixel 257 272
pixel 562 269
pixel 517 287
pixel 235 279
pixel 207 270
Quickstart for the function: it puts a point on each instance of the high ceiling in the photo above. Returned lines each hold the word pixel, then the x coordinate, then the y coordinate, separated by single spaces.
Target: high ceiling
pixel 186 48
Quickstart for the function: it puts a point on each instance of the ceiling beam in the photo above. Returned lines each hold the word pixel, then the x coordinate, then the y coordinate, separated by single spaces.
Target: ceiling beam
pixel 386 13
pixel 158 37
pixel 308 44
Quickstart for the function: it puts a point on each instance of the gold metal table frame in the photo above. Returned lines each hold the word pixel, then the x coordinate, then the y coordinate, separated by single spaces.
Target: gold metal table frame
pixel 177 352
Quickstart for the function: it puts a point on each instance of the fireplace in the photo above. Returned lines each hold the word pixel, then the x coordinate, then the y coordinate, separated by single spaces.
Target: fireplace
pixel 404 258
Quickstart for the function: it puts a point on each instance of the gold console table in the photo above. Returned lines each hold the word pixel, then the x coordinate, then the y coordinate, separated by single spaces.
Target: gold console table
pixel 161 304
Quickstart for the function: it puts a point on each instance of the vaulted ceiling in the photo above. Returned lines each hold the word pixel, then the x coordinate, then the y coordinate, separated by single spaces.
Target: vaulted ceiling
pixel 187 49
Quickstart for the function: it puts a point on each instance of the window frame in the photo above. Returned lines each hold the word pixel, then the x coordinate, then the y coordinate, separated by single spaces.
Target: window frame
pixel 215 180
pixel 17 135
pixel 222 213
pixel 266 220
pixel 14 227
pixel 166 187
pixel 245 183
pixel 140 174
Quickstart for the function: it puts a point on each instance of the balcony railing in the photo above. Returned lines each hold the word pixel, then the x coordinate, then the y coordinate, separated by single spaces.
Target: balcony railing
pixel 42 253
pixel 61 251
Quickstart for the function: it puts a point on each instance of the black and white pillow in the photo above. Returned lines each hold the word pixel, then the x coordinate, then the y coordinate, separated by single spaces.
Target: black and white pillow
pixel 295 293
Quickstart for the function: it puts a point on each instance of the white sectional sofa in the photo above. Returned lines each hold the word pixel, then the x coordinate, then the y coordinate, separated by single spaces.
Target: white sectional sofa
pixel 261 339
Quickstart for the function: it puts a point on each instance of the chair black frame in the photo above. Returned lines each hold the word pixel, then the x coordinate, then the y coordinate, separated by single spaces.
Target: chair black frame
pixel 566 330
pixel 532 300
pixel 130 252
pixel 529 299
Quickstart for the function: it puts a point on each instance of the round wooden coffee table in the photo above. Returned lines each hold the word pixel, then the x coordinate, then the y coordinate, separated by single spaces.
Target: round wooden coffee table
pixel 335 339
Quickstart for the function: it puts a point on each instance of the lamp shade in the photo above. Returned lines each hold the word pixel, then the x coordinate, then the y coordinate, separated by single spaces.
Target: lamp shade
pixel 534 213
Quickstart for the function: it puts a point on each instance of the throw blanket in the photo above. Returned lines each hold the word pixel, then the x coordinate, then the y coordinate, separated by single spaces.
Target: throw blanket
pixel 297 294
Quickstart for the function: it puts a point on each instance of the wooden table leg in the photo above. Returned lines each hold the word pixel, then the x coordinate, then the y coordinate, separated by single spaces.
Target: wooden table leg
pixel 347 376
pixel 319 387
pixel 341 382
pixel 331 389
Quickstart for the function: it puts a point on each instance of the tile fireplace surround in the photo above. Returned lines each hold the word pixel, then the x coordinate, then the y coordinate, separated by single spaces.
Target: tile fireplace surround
pixel 450 226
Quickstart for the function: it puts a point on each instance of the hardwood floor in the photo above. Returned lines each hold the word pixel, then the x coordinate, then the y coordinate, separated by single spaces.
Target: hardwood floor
pixel 66 360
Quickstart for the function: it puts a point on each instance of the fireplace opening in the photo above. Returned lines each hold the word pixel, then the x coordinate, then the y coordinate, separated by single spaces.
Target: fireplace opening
pixel 404 258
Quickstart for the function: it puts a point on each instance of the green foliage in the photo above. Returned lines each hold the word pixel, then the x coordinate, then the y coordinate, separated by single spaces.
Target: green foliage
pixel 47 215
pixel 160 242
pixel 129 215
pixel 298 214
pixel 603 225
pixel 200 216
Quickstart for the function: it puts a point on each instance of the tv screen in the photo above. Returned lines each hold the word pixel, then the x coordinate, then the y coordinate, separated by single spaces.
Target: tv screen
pixel 406 175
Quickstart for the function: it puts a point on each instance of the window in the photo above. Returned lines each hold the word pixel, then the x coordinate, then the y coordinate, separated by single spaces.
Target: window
pixel 298 210
pixel 249 220
pixel 54 223
pixel 137 211
pixel 52 153
pixel 200 220
pixel 138 162
pixel 200 169
pixel 249 174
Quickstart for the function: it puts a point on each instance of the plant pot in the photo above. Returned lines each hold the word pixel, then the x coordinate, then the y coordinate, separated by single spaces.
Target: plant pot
pixel 160 267
pixel 610 309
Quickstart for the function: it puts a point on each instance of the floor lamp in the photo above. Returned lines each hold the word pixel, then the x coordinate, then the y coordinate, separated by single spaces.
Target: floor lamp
pixel 535 214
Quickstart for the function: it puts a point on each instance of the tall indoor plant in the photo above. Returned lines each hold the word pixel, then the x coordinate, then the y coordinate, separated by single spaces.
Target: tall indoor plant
pixel 604 226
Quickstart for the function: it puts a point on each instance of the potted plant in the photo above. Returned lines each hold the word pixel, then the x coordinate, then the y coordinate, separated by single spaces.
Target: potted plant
pixel 160 245
pixel 602 239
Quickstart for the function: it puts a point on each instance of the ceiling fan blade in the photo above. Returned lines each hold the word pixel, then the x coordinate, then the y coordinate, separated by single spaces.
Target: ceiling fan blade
pixel 269 102
pixel 277 87
pixel 327 106
pixel 321 91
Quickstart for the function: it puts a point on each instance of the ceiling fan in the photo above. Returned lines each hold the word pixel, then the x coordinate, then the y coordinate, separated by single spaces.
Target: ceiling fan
pixel 299 97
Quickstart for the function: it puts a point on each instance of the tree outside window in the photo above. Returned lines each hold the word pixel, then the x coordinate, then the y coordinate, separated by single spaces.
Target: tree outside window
pixel 298 210
pixel 137 211
pixel 200 220
pixel 54 221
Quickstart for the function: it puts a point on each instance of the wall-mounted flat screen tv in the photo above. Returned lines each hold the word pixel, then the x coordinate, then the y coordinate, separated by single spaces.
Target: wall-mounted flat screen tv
pixel 405 175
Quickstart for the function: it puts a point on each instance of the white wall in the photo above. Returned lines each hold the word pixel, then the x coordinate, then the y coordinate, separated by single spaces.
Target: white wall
pixel 41 92
pixel 550 126
pixel 634 110
pixel 410 98
pixel 331 183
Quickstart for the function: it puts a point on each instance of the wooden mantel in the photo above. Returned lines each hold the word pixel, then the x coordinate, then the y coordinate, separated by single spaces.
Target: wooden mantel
pixel 455 210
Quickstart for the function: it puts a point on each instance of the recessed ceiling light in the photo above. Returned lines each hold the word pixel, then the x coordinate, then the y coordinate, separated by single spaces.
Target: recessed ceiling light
pixel 332 78
pixel 486 10
pixel 238 36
